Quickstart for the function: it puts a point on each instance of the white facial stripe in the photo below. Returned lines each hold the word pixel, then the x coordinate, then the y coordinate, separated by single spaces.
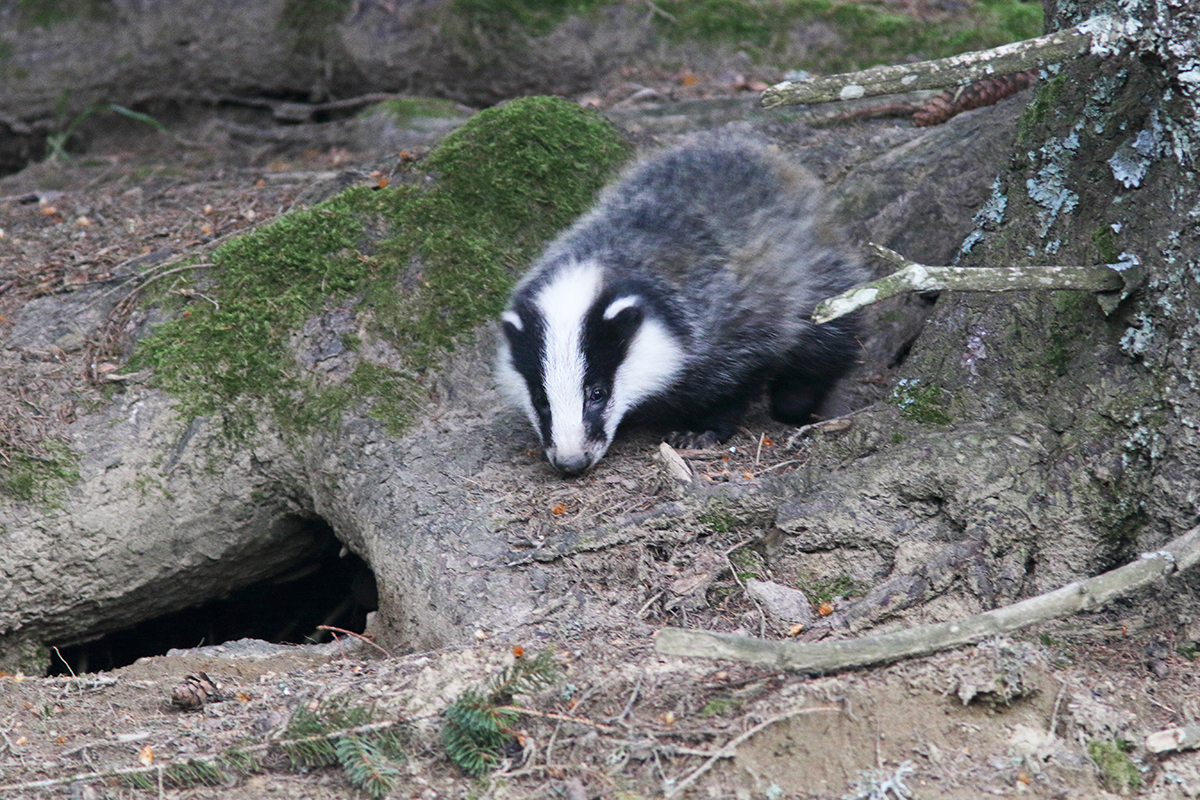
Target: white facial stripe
pixel 513 319
pixel 564 302
pixel 511 385
pixel 652 362
pixel 619 305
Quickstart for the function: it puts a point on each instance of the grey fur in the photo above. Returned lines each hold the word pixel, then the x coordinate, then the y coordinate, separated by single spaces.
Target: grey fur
pixel 724 239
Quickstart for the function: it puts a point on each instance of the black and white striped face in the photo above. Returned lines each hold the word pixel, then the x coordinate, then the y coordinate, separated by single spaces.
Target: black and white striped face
pixel 578 356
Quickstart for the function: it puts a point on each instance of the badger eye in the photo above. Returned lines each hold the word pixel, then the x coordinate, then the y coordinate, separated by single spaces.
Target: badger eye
pixel 597 395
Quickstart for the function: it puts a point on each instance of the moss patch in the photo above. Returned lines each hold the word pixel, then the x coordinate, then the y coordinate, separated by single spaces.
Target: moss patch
pixel 921 402
pixel 40 479
pixel 47 13
pixel 405 111
pixel 824 590
pixel 1105 239
pixel 449 251
pixel 867 33
pixel 1048 96
pixel 1117 770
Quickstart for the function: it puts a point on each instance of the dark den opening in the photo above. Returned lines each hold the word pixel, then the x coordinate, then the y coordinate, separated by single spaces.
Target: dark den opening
pixel 328 588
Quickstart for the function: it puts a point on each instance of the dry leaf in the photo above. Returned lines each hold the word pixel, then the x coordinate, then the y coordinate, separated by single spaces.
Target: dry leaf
pixel 146 756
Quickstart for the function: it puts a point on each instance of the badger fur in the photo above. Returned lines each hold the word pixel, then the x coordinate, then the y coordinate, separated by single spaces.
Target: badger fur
pixel 674 301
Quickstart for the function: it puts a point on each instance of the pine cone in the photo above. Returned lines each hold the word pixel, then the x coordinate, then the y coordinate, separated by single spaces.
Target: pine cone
pixel 986 92
pixel 195 691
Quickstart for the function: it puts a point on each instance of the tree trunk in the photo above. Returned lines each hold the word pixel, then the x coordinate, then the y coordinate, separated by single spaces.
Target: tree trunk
pixel 1035 440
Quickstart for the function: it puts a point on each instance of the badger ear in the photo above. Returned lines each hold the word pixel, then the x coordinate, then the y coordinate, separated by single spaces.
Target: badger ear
pixel 512 324
pixel 624 314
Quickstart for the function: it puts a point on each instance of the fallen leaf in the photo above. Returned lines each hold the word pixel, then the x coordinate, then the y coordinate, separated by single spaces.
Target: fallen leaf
pixel 146 756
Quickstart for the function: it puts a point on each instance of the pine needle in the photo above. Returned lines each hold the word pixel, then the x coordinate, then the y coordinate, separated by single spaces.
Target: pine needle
pixel 479 725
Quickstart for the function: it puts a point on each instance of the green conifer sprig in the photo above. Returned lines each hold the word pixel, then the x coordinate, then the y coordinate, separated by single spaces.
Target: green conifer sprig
pixel 477 728
pixel 365 765
pixel 311 740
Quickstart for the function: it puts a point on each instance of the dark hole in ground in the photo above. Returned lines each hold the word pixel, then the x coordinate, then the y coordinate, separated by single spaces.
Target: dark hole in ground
pixel 328 588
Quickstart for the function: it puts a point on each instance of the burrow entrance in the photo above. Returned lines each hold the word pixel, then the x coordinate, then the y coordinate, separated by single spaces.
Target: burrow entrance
pixel 330 586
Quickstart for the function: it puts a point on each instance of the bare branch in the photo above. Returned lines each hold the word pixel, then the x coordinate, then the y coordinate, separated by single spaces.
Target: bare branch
pixel 914 277
pixel 1181 554
pixel 937 74
pixel 1186 738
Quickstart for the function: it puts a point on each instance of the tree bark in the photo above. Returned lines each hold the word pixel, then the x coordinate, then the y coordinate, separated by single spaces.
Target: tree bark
pixel 1038 439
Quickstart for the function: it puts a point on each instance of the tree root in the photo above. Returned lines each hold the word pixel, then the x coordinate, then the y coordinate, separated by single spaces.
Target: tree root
pixel 1180 555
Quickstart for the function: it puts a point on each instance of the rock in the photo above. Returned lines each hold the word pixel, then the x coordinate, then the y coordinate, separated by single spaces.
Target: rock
pixel 786 605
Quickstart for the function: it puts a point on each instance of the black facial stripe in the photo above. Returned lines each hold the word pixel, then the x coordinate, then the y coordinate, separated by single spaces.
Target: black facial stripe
pixel 605 345
pixel 528 348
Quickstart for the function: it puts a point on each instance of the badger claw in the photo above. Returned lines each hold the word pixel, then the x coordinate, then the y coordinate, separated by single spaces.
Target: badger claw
pixel 694 440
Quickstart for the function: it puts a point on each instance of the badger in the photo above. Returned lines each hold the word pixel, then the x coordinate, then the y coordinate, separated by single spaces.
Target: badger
pixel 683 293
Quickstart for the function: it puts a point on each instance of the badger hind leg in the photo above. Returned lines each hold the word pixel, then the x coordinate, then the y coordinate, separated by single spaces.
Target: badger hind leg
pixel 794 397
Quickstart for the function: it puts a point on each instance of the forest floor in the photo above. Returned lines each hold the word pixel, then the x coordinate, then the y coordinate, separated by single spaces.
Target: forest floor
pixel 1058 712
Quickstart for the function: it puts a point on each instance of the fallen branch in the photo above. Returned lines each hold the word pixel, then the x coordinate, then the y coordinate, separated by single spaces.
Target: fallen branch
pixel 1120 279
pixel 1180 555
pixel 1100 34
pixel 1186 738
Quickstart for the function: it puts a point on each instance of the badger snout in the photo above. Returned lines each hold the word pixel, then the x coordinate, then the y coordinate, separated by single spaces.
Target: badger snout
pixel 571 463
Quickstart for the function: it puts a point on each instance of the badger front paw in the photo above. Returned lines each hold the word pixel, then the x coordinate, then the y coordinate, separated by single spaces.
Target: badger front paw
pixel 694 440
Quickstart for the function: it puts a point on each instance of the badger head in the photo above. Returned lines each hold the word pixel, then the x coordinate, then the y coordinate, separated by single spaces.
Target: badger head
pixel 578 355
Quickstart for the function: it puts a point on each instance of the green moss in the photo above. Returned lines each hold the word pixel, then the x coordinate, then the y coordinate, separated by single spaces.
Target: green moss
pixel 867 33
pixel 507 181
pixel 748 563
pixel 1105 239
pixel 41 479
pixel 407 109
pixel 503 184
pixel 1072 311
pixel 1117 770
pixel 1048 97
pixel 720 707
pixel 718 518
pixel 534 16
pixel 823 590
pixel 921 402
pixel 47 13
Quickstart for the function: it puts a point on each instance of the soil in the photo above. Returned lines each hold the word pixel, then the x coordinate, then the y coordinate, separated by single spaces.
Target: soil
pixel 1008 717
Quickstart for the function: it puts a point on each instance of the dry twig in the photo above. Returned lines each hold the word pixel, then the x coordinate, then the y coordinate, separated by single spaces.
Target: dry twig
pixel 1120 278
pixel 1180 555
pixel 730 749
pixel 1100 34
